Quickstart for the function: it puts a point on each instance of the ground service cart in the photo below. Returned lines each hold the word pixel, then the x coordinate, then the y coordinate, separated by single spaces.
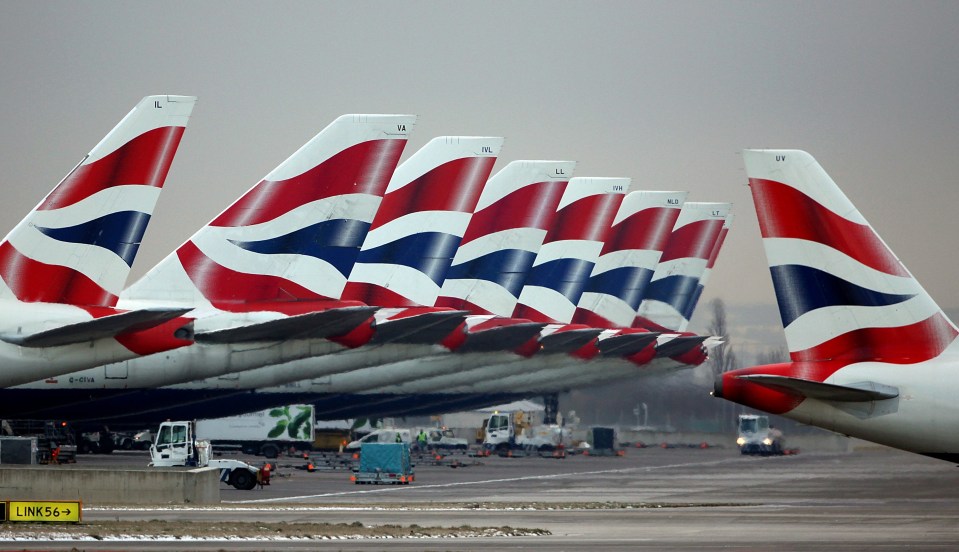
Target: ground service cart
pixel 385 464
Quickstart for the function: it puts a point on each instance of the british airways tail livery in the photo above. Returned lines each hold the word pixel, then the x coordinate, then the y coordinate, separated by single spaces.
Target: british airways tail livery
pixel 295 235
pixel 671 295
pixel 70 257
pixel 632 250
pixel 871 354
pixel 77 246
pixel 571 248
pixel 271 265
pixel 415 233
pixel 514 213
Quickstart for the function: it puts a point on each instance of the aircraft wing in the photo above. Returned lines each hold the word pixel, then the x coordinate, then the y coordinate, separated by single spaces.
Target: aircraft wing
pixel 311 325
pixel 98 328
pixel 856 392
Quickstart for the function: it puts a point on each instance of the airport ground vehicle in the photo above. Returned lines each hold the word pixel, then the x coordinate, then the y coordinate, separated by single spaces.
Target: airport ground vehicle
pixel 56 441
pixel 384 463
pixel 513 430
pixel 440 438
pixel 143 439
pixel 384 435
pixel 756 436
pixel 265 432
pixel 176 445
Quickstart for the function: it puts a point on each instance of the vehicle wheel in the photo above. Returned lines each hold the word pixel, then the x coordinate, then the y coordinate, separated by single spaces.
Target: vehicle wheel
pixel 126 444
pixel 242 479
pixel 270 451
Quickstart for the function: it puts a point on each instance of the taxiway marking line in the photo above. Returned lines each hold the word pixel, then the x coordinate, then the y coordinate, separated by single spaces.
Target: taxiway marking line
pixel 487 481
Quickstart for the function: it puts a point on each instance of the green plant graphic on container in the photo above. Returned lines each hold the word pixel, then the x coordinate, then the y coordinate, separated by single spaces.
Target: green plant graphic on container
pixel 295 421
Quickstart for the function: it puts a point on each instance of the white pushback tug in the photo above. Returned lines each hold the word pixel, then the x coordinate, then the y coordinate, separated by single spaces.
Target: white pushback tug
pixel 176 445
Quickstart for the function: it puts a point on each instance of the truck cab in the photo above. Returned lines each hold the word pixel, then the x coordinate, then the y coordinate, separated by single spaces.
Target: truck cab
pixel 176 445
pixel 756 436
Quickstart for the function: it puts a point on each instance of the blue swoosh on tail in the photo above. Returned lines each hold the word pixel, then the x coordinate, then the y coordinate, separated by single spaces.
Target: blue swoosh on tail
pixel 334 241
pixel 627 283
pixel 119 232
pixel 567 276
pixel 801 289
pixel 428 252
pixel 506 267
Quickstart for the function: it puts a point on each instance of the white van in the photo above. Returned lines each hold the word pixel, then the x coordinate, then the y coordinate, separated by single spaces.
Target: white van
pixel 441 438
pixel 390 435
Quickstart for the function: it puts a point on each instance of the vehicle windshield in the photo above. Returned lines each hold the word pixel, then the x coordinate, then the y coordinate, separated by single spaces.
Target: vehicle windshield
pixel 498 421
pixel 165 436
pixel 753 425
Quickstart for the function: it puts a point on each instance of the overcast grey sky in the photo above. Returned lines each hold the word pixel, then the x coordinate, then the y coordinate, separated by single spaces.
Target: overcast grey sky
pixel 667 93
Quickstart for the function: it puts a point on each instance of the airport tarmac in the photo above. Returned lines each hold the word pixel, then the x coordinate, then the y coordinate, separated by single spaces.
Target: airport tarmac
pixel 652 498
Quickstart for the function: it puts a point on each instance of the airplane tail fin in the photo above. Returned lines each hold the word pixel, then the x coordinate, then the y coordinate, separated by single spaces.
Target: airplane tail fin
pixel 77 246
pixel 296 234
pixel 571 248
pixel 514 213
pixel 424 214
pixel 633 247
pixel 843 294
pixel 727 224
pixel 672 293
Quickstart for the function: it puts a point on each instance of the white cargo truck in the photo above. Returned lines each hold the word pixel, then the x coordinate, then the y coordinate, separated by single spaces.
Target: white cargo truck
pixel 513 430
pixel 266 432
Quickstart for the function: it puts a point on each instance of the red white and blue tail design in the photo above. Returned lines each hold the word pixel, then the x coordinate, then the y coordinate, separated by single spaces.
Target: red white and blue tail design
pixel 672 293
pixel 843 295
pixel 294 236
pixel 421 221
pixel 77 246
pixel 631 252
pixel 872 355
pixel 570 250
pixel 514 213
pixel 727 224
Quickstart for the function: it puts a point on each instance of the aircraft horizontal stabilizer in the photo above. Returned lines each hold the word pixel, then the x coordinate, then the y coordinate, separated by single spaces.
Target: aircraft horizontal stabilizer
pixel 98 328
pixel 569 340
pixel 426 328
pixel 500 338
pixel 679 345
pixel 855 392
pixel 626 344
pixel 311 325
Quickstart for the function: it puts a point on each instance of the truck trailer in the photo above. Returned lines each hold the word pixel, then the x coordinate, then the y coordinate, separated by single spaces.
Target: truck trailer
pixel 265 432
